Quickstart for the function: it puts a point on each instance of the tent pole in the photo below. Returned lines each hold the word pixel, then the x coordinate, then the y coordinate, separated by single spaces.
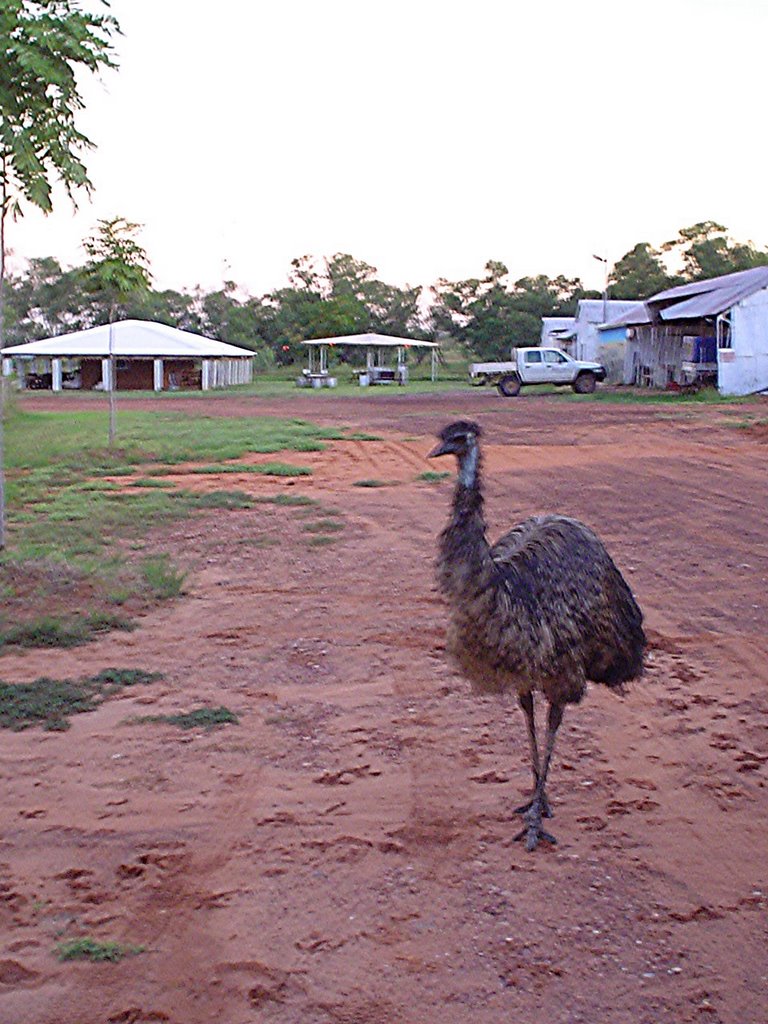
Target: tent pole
pixel 112 385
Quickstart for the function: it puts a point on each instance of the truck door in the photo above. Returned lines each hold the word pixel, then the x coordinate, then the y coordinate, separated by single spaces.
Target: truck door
pixel 558 368
pixel 534 369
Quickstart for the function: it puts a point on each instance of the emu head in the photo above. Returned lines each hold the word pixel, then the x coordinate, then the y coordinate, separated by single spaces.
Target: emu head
pixel 459 439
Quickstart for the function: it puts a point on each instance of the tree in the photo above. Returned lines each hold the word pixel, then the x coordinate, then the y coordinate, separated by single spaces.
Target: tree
pixel 116 269
pixel 224 317
pixel 43 302
pixel 332 296
pixel 43 43
pixel 639 274
pixel 707 251
pixel 491 317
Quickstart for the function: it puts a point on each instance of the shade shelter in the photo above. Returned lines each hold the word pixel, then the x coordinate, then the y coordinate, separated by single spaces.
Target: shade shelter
pixel 379 365
pixel 146 355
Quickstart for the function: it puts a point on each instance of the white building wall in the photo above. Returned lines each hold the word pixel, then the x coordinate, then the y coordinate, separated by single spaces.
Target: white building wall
pixel 551 328
pixel 590 314
pixel 743 368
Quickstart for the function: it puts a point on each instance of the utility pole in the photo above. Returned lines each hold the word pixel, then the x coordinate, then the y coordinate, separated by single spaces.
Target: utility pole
pixel 604 260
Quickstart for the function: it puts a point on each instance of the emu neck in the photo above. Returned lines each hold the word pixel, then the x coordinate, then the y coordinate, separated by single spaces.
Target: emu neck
pixel 466 564
pixel 469 469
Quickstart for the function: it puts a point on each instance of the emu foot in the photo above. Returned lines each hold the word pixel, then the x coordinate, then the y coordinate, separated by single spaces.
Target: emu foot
pixel 532 831
pixel 546 810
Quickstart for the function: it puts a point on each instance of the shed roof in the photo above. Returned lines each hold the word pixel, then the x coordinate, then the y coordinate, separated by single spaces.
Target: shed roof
pixel 558 323
pixel 597 311
pixel 137 338
pixel 707 298
pixel 373 341
pixel 637 314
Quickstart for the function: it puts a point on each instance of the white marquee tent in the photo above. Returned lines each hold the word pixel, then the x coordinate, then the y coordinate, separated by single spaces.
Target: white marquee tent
pixel 146 355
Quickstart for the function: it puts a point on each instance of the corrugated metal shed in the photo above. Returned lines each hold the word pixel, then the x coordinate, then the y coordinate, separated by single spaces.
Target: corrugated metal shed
pixel 557 328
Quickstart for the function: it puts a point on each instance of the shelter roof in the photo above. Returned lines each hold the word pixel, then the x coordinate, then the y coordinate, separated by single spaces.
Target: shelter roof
pixel 137 338
pixel 373 341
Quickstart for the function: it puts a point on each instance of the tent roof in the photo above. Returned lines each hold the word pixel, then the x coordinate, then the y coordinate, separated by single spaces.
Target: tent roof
pixel 373 341
pixel 137 338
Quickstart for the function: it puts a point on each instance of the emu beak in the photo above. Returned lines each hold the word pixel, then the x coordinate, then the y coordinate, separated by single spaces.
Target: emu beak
pixel 439 449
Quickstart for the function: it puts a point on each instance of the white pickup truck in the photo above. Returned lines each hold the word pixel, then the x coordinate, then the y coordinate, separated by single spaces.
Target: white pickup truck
pixel 538 366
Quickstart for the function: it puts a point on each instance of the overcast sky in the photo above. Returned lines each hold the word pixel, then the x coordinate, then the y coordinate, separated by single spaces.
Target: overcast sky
pixel 423 137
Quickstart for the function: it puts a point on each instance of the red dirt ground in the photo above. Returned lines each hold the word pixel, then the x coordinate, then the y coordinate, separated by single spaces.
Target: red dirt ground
pixel 344 855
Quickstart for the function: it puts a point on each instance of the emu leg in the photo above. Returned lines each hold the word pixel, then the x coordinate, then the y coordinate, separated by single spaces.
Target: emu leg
pixel 533 830
pixel 526 703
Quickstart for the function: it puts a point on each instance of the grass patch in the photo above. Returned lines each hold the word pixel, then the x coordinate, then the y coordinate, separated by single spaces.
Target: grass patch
pixel 263 468
pixel 192 500
pixel 56 503
pixel 321 540
pixel 324 526
pixel 61 510
pixel 48 631
pixel 95 951
pixel 199 718
pixel 50 702
pixel 147 482
pixel 431 477
pixel 280 469
pixel 747 424
pixel 357 436
pixel 647 396
pixel 162 578
pixel 370 483
pixel 289 500
pixel 263 542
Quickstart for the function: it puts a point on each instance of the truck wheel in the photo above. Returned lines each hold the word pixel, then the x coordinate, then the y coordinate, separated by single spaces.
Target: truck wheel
pixel 509 386
pixel 585 384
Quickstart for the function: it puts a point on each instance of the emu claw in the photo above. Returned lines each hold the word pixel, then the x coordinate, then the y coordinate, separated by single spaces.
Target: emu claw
pixel 532 829
pixel 534 833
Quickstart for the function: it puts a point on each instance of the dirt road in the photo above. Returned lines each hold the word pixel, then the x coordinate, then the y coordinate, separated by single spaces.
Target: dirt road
pixel 344 855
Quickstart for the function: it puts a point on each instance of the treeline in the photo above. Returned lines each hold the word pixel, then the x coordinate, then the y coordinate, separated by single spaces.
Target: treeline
pixel 338 295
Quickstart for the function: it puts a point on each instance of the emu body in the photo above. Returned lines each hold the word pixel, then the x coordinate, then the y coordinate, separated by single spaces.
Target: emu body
pixel 544 609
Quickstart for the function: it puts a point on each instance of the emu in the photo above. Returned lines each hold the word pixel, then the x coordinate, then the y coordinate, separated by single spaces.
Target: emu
pixel 545 609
